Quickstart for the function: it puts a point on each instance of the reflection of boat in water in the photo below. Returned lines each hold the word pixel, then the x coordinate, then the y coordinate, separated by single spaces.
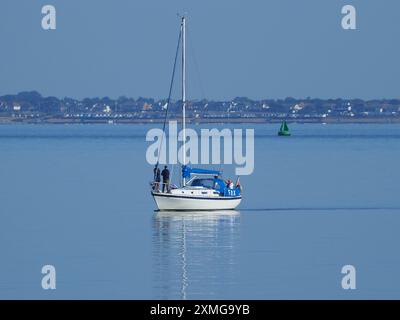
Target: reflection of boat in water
pixel 194 253
pixel 197 215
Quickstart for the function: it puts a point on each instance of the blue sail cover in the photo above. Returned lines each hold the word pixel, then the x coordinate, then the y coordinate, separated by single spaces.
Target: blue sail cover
pixel 187 171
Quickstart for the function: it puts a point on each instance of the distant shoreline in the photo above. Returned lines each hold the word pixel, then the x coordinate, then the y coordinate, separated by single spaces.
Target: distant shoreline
pixel 389 120
pixel 32 107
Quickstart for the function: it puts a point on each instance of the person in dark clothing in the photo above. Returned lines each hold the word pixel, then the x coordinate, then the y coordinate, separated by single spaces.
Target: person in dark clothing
pixel 155 172
pixel 165 175
pixel 157 179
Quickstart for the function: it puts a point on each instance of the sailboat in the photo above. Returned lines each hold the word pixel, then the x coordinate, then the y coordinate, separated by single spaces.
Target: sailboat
pixel 284 130
pixel 200 189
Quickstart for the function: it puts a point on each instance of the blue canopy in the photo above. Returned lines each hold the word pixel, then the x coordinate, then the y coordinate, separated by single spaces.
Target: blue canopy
pixel 187 171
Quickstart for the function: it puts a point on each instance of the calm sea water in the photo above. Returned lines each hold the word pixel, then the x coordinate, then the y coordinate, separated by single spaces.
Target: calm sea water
pixel 77 197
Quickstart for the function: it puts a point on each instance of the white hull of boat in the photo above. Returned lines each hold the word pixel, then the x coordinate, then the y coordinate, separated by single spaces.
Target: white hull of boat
pixel 188 203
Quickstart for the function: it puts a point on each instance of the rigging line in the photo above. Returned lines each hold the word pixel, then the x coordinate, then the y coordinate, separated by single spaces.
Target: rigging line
pixel 169 97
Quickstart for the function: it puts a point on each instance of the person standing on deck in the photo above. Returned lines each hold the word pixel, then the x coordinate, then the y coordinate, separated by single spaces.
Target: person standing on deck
pixel 155 172
pixel 165 175
pixel 157 180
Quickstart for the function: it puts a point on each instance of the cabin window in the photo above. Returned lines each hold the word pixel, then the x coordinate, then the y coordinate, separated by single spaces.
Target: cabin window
pixel 208 183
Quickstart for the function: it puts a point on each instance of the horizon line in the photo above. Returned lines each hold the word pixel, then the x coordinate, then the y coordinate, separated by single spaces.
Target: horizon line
pixel 195 99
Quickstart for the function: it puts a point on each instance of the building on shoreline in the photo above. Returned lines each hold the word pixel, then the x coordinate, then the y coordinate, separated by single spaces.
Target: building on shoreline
pixel 32 107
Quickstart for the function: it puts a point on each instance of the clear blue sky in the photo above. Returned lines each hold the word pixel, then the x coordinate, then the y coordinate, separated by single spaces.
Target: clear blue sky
pixel 255 48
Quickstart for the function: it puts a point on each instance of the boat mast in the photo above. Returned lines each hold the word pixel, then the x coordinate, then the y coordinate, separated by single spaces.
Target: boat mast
pixel 183 28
